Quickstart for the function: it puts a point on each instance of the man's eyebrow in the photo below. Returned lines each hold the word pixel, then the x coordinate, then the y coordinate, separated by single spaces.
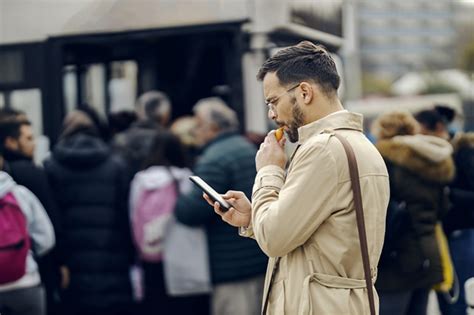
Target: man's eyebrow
pixel 269 99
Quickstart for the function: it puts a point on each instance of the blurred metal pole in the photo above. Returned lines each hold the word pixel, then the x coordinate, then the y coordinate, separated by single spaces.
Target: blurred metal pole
pixel 265 16
pixel 351 51
pixel 255 110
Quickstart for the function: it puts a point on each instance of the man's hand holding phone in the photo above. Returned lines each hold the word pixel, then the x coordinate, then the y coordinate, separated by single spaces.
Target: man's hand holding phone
pixel 240 212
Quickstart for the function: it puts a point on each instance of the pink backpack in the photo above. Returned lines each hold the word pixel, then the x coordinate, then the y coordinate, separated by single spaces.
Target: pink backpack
pixel 150 218
pixel 14 240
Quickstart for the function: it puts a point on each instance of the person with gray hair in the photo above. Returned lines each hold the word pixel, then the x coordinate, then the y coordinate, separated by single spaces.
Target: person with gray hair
pixel 227 162
pixel 214 117
pixel 153 109
pixel 214 110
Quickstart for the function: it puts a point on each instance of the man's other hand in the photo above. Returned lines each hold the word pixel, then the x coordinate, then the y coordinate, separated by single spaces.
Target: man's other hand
pixel 271 152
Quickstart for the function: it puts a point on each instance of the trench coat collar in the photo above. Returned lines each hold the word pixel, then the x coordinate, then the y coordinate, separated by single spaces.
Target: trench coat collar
pixel 342 119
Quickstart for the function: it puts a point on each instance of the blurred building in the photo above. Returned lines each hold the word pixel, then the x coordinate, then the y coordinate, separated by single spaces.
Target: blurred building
pixel 57 54
pixel 398 36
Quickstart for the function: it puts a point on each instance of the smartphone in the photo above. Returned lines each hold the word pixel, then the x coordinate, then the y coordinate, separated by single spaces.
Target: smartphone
pixel 214 195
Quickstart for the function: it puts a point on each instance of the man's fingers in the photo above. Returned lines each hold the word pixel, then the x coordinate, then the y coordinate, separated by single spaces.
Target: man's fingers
pixel 225 215
pixel 271 138
pixel 231 201
pixel 217 209
pixel 233 194
pixel 282 142
pixel 209 201
pixel 228 215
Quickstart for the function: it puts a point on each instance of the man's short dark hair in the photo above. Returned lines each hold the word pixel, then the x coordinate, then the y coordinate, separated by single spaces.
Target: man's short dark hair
pixel 305 61
pixel 10 128
pixel 7 114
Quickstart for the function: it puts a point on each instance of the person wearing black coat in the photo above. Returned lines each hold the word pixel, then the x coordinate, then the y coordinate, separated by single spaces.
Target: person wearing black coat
pixel 21 167
pixel 462 189
pixel 459 222
pixel 153 110
pixel 91 190
pixel 420 168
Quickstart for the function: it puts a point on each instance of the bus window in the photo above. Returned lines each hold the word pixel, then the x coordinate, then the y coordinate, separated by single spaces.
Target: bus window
pixel 29 102
pixel 2 101
pixel 70 88
pixel 123 85
pixel 12 65
pixel 89 83
pixel 93 91
pixel 90 88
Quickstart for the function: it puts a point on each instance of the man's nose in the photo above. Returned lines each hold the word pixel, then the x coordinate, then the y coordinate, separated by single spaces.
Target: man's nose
pixel 271 114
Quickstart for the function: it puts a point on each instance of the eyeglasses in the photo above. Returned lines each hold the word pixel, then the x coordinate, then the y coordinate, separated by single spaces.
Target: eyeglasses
pixel 273 102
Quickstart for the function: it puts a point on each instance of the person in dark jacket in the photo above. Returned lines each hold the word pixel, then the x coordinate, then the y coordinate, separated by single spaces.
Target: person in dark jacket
pixel 227 162
pixel 17 143
pixel 459 223
pixel 120 121
pixel 91 191
pixel 435 122
pixel 462 189
pixel 153 110
pixel 420 167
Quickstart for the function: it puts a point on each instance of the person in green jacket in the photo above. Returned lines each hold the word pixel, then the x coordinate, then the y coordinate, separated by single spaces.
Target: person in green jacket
pixel 227 162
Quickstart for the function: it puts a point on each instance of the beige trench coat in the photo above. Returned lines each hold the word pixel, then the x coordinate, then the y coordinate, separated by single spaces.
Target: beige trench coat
pixel 307 218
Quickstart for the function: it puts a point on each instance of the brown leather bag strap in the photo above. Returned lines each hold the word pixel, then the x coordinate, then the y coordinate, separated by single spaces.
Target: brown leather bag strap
pixel 354 173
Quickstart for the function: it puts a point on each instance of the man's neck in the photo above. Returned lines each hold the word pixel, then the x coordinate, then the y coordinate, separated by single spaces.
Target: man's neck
pixel 325 109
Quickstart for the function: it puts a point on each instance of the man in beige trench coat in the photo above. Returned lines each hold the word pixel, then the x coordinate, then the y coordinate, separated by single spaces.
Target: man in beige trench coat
pixel 306 215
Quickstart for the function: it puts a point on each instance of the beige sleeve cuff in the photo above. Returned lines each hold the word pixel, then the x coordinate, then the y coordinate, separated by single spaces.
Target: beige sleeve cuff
pixel 270 176
pixel 246 231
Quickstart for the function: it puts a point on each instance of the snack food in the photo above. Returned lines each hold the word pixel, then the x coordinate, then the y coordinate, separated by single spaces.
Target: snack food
pixel 279 133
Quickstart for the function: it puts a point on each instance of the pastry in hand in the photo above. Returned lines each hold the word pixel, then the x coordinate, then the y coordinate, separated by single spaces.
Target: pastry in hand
pixel 279 134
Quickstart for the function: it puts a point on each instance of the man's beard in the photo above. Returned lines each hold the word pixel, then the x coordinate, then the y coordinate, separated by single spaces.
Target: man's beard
pixel 298 121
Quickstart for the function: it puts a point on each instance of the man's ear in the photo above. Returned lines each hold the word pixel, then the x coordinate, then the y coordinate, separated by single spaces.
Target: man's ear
pixel 11 143
pixel 307 92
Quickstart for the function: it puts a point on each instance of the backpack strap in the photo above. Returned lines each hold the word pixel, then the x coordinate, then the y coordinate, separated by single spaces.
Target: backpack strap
pixel 175 180
pixel 9 198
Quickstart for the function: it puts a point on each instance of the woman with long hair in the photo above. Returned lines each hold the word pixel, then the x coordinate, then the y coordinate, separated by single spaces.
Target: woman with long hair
pixel 153 195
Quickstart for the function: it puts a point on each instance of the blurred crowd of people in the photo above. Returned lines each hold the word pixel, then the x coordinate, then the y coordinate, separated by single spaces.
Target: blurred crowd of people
pixel 432 185
pixel 98 225
pixel 91 250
